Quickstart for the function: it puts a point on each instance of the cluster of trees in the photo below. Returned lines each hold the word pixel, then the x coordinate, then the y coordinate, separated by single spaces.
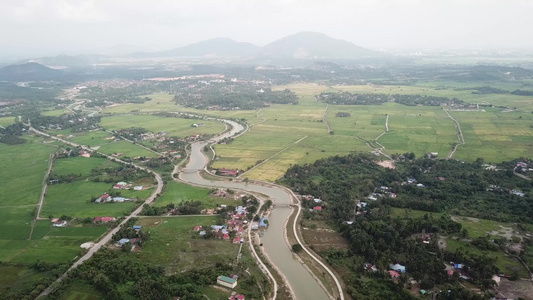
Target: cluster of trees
pixel 378 237
pixel 224 97
pixel 347 98
pixel 11 135
pixel 115 174
pixel 118 277
pixel 493 90
pixel 450 186
pixel 74 122
pixel 126 231
pixel 102 97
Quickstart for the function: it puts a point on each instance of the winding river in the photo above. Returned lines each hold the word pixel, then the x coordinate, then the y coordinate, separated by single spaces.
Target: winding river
pixel 303 285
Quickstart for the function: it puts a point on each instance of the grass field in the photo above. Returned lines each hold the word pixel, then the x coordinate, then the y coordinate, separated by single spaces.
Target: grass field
pixel 81 165
pixel 506 264
pixel 126 148
pixel 178 127
pixel 74 199
pixel 495 135
pixel 54 245
pixel 475 228
pixel 23 169
pixel 172 244
pixel 430 89
pixel 6 121
pixel 55 112
pixel 177 192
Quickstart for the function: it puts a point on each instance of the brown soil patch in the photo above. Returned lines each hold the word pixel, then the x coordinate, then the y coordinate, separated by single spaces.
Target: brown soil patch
pixel 515 289
pixel 323 239
pixel 387 164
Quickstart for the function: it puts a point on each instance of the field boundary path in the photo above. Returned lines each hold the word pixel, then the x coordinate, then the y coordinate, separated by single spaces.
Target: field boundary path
pixel 43 192
pixel 383 133
pixel 107 237
pixel 324 118
pixel 459 135
pixel 273 155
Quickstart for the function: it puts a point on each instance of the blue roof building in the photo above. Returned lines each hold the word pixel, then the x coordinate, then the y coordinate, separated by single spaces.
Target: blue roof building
pixel 137 227
pixel 263 223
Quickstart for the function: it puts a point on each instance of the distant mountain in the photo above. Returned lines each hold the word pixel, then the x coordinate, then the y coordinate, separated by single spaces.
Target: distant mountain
pixel 313 45
pixel 28 71
pixel 219 47
pixel 69 60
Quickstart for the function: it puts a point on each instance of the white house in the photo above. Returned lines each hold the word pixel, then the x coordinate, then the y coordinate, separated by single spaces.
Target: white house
pixel 227 282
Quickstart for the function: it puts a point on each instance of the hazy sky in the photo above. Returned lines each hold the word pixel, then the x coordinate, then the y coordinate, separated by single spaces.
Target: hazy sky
pixel 49 27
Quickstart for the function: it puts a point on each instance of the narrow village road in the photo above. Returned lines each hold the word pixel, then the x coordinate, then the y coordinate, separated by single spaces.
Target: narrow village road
pixel 107 237
pixel 459 134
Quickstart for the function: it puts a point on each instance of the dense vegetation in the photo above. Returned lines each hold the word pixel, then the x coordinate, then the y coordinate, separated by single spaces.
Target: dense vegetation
pixel 449 185
pixel 229 97
pixel 375 235
pixel 346 98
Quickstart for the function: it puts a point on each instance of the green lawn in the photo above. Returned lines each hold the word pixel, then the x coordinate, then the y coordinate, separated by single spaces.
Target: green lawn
pixel 177 192
pixel 174 245
pixel 23 170
pixel 55 112
pixel 81 165
pixel 507 265
pixel 126 148
pixel 495 135
pixel 74 199
pixel 6 121
pixel 178 127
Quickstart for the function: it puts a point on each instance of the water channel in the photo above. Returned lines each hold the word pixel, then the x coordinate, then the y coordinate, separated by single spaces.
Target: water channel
pixel 300 280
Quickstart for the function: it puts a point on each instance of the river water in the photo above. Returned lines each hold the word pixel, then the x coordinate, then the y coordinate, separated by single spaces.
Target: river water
pixel 302 283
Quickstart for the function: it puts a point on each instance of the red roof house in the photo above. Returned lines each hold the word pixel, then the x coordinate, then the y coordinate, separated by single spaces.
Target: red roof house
pixel 197 228
pixel 225 236
pixel 394 274
pixel 238 297
pixel 319 208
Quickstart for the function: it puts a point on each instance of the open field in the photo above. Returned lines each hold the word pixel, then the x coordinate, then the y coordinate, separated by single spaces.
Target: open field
pixel 23 169
pixel 54 245
pixel 74 199
pixel 507 265
pixel 495 135
pixel 177 192
pixel 6 121
pixel 476 228
pixel 430 89
pixel 55 112
pixel 178 127
pixel 275 129
pixel 174 245
pixel 91 139
pixel 165 103
pixel 126 148
pixel 81 165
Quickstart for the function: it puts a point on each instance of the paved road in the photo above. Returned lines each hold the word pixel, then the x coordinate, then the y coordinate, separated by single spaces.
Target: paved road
pixel 106 238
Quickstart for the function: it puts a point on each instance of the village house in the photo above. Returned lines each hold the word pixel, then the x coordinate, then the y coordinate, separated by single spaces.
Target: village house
pixel 227 282
pixel 237 297
pixel 103 219
pixel 59 223
pixel 227 172
pixel 397 268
